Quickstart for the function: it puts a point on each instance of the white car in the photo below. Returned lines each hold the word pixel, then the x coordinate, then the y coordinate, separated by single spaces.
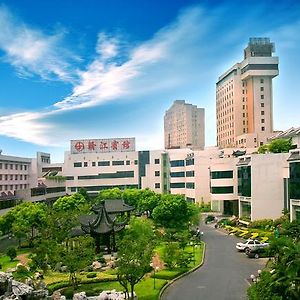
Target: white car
pixel 250 244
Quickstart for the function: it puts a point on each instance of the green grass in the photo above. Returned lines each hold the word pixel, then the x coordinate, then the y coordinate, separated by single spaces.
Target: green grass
pixel 6 263
pixel 144 289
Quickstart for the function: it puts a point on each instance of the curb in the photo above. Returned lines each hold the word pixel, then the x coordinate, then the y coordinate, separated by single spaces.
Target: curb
pixel 182 275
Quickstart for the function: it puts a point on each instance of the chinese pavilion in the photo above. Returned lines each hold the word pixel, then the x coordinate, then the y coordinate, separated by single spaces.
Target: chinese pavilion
pixel 102 224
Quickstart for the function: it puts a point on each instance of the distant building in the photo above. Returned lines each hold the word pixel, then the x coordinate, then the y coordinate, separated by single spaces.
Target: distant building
pixel 16 173
pixel 244 100
pixel 99 164
pixel 184 126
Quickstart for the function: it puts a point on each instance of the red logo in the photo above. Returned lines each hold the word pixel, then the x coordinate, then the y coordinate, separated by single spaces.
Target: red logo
pixel 103 146
pixel 79 146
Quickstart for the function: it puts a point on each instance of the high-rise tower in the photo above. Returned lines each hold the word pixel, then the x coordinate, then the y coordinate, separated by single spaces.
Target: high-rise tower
pixel 244 100
pixel 184 126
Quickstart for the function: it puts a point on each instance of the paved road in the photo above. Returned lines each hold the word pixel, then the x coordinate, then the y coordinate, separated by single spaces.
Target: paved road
pixel 223 275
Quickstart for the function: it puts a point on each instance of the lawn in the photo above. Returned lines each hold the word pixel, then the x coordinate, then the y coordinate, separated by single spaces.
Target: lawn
pixel 6 263
pixel 144 289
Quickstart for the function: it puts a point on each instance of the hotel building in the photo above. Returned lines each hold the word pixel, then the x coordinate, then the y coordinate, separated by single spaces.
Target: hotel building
pixel 244 99
pixel 184 126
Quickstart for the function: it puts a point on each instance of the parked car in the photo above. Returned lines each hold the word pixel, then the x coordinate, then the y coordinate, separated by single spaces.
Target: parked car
pixel 257 252
pixel 250 244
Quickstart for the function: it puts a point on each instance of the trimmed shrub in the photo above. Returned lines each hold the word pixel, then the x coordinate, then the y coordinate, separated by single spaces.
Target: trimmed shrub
pixel 91 275
pixel 11 252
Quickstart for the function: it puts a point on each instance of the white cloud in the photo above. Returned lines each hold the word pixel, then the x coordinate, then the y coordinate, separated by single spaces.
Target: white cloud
pixel 26 126
pixel 32 52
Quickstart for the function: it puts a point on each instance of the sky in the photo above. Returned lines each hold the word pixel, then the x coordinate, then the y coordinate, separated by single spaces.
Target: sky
pixel 103 69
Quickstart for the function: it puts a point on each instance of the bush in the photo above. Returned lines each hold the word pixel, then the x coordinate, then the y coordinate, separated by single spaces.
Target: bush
pixel 169 254
pixel 91 275
pixel 262 224
pixel 209 218
pixel 11 252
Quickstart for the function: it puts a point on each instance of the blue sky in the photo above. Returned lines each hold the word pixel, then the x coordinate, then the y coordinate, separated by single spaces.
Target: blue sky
pixel 100 69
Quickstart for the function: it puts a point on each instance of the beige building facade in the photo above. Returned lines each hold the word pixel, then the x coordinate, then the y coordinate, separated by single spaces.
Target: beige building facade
pixel 244 99
pixel 184 126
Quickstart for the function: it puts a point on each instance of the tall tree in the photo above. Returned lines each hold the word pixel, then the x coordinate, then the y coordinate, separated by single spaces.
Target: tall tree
pixel 135 254
pixel 173 211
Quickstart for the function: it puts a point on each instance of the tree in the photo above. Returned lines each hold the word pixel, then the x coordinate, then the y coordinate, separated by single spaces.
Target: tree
pixel 172 211
pixel 283 282
pixel 280 145
pixel 114 193
pixel 276 146
pixel 85 194
pixel 79 255
pixel 70 203
pixel 148 203
pixel 28 218
pixel 135 254
pixel 11 252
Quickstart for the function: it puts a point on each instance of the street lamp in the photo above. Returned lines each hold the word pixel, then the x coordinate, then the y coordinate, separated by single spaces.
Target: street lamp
pixel 193 245
pixel 154 269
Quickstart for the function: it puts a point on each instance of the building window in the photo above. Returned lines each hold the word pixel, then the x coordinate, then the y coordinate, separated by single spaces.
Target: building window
pixel 12 177
pixel 25 167
pixel 135 161
pixel 157 185
pixel 261 88
pixel 103 163
pixel 16 167
pixel 263 129
pixel 177 163
pixel 177 185
pixel 6 177
pixel 243 115
pixel 254 140
pixel 261 143
pixel 11 166
pixel 77 164
pixel 21 167
pixel 157 173
pixel 127 162
pixel 262 105
pixel 221 174
pixel 93 164
pixel 6 166
pixel 190 173
pixel 0 166
pixel 156 161
pixel 0 176
pixel 177 174
pixel 262 113
pixel 261 80
pixel 190 185
pixel 21 177
pixel 244 181
pixel 262 96
pixel 118 162
pixel 263 120
pixel 85 164
pixel 222 190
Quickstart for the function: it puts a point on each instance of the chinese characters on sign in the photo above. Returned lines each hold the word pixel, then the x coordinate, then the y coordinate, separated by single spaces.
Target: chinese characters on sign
pixel 102 145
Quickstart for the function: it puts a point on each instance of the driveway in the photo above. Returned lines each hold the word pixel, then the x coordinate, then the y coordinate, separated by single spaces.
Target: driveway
pixel 223 275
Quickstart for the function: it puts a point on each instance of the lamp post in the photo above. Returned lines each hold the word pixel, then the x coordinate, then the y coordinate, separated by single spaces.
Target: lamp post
pixel 154 269
pixel 193 245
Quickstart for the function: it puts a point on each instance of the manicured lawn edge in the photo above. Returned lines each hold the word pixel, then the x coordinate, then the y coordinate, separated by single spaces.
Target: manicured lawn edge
pixel 184 274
